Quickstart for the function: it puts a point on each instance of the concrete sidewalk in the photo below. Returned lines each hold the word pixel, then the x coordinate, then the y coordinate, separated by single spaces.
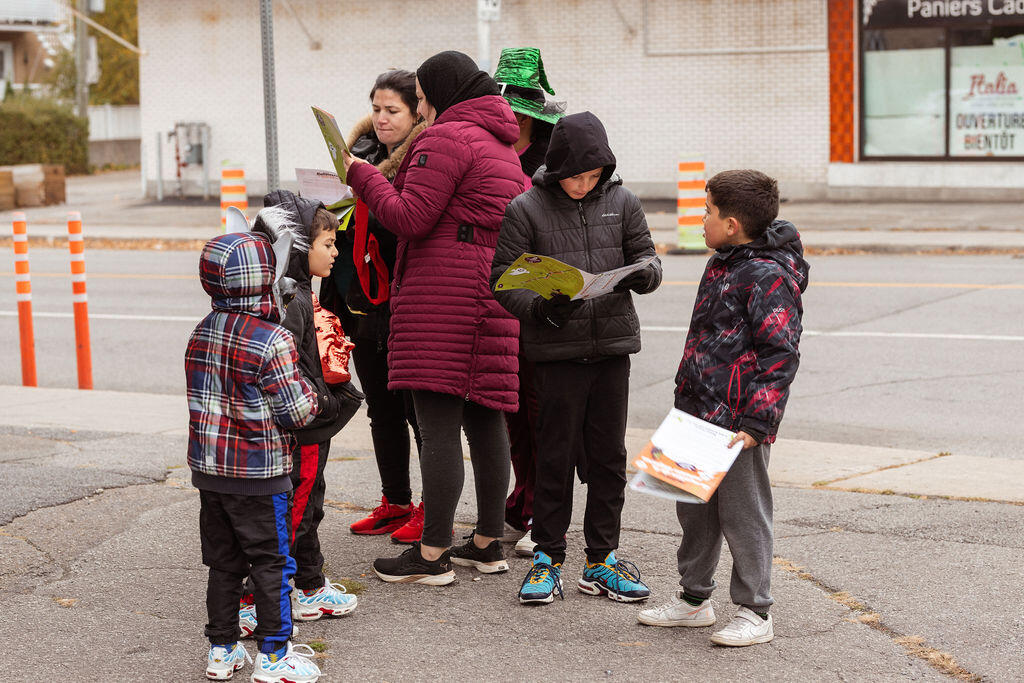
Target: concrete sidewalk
pixel 830 466
pixel 100 567
pixel 113 209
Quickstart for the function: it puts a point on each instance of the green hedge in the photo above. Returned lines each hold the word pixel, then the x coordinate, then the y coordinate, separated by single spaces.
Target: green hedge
pixel 34 130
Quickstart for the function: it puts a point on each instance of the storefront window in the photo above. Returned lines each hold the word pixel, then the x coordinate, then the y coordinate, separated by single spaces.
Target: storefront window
pixel 986 93
pixel 942 79
pixel 904 92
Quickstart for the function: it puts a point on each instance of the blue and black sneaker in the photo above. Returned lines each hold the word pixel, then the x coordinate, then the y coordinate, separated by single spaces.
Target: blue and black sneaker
pixel 541 582
pixel 618 579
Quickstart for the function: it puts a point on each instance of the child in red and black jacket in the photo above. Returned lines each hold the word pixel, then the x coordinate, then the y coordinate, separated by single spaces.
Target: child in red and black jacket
pixel 312 253
pixel 244 394
pixel 741 355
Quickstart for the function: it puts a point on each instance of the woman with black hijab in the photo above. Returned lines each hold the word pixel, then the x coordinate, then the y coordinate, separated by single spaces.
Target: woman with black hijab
pixel 451 344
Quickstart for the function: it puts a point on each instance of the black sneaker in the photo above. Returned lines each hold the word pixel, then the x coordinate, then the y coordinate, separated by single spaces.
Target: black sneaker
pixel 489 560
pixel 412 567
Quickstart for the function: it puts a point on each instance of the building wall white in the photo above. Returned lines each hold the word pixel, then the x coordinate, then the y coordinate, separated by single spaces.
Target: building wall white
pixel 663 87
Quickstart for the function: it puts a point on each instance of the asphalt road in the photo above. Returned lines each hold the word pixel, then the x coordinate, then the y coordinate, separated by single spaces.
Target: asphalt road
pixel 900 351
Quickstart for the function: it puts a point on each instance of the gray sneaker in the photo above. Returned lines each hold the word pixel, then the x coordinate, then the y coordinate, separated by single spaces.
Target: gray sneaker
pixel 746 628
pixel 678 612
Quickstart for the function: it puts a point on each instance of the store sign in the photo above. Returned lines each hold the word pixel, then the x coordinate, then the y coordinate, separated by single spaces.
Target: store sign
pixel 919 13
pixel 986 110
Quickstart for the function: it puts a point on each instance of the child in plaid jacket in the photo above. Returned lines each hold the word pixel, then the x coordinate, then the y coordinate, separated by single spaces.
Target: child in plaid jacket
pixel 244 393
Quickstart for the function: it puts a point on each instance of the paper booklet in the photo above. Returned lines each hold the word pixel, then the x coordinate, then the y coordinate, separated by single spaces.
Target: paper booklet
pixel 685 460
pixel 334 139
pixel 547 276
pixel 326 186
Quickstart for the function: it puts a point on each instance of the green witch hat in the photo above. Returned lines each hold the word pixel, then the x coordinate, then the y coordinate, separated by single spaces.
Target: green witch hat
pixel 520 73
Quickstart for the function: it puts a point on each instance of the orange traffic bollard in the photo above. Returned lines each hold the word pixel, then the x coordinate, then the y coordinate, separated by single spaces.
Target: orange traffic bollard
pixel 690 206
pixel 232 192
pixel 77 249
pixel 23 286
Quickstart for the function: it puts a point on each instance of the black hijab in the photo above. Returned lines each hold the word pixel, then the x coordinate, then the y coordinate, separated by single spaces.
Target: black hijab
pixel 451 77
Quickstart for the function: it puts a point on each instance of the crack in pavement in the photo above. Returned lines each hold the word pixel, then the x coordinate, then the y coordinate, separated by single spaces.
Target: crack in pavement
pixel 913 646
pixel 895 534
pixel 829 482
pixel 909 380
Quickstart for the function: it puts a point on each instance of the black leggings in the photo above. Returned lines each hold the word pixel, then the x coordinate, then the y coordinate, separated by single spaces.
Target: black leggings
pixel 440 418
pixel 390 414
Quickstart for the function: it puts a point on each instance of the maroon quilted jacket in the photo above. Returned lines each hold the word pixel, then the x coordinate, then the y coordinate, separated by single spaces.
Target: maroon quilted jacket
pixel 448 334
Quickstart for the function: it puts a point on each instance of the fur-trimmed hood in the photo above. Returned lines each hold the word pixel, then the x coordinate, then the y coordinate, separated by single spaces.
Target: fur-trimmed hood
pixel 389 166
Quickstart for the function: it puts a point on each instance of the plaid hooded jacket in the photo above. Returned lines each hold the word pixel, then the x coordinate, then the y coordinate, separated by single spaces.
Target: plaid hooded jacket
pixel 241 372
pixel 742 349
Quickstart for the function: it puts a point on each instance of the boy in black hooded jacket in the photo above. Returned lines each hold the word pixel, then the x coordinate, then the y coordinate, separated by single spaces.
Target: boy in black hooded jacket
pixel 580 214
pixel 312 253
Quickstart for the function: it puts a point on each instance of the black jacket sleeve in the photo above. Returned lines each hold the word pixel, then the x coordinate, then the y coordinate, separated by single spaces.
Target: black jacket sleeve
pixel 514 240
pixel 637 243
pixel 775 327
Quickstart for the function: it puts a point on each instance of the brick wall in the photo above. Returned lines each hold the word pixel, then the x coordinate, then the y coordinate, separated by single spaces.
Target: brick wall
pixel 744 109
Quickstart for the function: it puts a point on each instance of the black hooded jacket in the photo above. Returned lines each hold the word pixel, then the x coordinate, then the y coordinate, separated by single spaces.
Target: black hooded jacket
pixel 298 319
pixel 605 230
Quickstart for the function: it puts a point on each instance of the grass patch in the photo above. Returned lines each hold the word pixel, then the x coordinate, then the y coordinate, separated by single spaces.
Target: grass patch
pixel 943 661
pixel 352 586
pixel 318 645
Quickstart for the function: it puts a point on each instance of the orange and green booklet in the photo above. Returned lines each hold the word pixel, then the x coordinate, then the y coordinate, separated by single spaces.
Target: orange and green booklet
pixel 685 460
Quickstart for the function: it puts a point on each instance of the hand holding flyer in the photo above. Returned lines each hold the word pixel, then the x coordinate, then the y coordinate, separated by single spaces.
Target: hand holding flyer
pixel 685 460
pixel 547 276
pixel 334 139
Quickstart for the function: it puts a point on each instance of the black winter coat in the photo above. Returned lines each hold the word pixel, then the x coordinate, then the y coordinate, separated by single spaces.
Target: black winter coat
pixel 605 230
pixel 338 404
pixel 742 348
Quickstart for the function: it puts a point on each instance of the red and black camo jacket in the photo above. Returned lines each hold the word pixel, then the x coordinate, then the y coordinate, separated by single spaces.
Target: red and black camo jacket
pixel 743 346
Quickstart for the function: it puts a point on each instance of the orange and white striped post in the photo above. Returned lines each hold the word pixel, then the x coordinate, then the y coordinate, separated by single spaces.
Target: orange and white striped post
pixel 83 352
pixel 23 287
pixel 232 192
pixel 690 205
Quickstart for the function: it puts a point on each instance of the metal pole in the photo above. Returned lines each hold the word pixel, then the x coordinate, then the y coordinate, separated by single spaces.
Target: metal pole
pixel 159 166
pixel 81 54
pixel 205 138
pixel 269 94
pixel 483 44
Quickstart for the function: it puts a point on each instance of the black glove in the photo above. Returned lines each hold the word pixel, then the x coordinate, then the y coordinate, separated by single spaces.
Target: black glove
pixel 639 282
pixel 555 311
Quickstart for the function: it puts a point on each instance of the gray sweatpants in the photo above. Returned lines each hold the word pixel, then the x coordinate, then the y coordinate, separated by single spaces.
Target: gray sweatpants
pixel 741 511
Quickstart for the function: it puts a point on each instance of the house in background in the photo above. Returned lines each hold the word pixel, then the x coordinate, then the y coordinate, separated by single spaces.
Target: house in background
pixel 28 32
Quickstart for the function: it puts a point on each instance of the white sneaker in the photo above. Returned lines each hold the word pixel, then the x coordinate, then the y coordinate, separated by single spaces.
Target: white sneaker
pixel 294 667
pixel 331 599
pixel 224 660
pixel 746 628
pixel 525 545
pixel 678 612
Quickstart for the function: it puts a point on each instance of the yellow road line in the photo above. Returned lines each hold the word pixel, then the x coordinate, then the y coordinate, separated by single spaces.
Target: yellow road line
pixel 671 283
pixel 126 276
pixel 892 285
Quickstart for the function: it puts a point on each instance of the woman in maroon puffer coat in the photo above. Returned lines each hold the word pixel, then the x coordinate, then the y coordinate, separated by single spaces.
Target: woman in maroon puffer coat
pixel 451 343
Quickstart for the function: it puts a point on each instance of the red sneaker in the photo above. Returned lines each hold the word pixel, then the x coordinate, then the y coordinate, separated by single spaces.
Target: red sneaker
pixel 412 531
pixel 384 518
